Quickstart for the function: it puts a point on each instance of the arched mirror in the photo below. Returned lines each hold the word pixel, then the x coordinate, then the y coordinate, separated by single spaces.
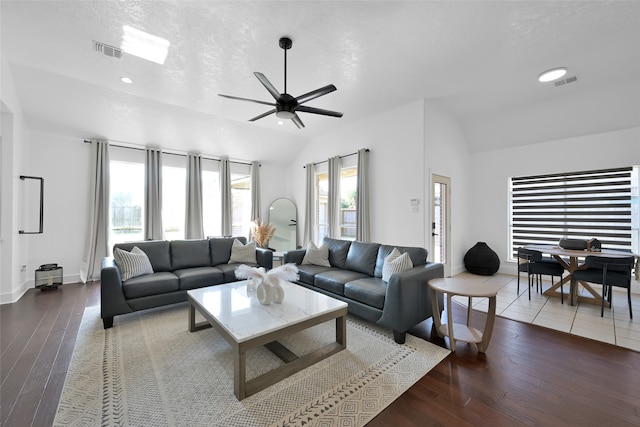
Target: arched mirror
pixel 283 216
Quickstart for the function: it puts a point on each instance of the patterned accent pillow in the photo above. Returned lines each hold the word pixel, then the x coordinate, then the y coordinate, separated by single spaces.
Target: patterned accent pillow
pixel 317 255
pixel 243 253
pixel 132 264
pixel 395 262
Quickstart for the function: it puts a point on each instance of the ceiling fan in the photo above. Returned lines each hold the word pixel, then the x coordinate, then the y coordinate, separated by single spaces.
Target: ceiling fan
pixel 286 106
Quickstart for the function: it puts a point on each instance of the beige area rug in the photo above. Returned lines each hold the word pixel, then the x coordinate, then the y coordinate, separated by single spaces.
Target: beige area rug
pixel 148 370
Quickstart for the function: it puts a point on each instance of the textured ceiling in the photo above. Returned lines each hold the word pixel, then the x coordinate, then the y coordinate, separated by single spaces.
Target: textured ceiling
pixel 473 58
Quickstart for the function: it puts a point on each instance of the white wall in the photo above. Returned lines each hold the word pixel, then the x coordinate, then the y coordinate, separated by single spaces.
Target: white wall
pixel 395 139
pixel 407 144
pixel 63 162
pixel 447 154
pixel 15 150
pixel 491 171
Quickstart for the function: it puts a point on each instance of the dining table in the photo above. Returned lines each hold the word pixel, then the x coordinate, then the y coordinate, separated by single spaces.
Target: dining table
pixel 572 260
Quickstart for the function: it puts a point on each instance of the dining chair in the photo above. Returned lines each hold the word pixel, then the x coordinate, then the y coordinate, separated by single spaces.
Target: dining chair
pixel 609 272
pixel 530 261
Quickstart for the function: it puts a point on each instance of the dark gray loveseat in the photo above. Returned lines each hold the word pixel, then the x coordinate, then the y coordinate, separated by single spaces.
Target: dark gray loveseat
pixel 355 276
pixel 178 265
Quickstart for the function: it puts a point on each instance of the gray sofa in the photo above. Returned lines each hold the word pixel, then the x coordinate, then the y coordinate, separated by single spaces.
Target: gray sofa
pixel 178 266
pixel 355 276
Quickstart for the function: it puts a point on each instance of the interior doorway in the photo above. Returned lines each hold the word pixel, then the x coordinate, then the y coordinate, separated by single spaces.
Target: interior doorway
pixel 441 221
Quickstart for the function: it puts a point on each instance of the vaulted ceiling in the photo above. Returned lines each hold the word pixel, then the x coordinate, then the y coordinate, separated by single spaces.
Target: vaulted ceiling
pixel 478 60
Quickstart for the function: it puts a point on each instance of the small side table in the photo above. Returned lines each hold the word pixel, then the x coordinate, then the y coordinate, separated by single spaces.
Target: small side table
pixel 456 331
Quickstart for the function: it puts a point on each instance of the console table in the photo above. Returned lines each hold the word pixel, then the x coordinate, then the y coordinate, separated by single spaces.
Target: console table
pixel 460 332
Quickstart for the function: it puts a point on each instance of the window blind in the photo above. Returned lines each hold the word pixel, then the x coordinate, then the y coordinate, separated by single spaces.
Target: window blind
pixel 577 205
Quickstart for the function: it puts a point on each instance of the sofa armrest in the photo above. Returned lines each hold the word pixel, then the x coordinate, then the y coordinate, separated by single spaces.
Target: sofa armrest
pixel 295 257
pixel 112 300
pixel 408 300
pixel 264 257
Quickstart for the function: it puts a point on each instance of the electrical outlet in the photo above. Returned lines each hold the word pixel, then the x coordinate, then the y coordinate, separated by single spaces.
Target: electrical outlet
pixel 23 268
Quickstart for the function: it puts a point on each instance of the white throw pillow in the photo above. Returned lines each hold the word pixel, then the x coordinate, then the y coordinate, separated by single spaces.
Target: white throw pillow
pixel 243 253
pixel 132 264
pixel 317 255
pixel 395 262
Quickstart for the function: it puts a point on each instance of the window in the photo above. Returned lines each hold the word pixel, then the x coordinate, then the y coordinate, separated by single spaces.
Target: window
pixel 348 200
pixel 601 204
pixel 240 202
pixel 174 193
pixel 126 213
pixel 211 199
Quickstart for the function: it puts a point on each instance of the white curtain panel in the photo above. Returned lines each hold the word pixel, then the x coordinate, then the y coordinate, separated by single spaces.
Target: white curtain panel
pixel 334 197
pixel 255 191
pixel 310 204
pixel 225 192
pixel 97 237
pixel 193 212
pixel 153 195
pixel 363 215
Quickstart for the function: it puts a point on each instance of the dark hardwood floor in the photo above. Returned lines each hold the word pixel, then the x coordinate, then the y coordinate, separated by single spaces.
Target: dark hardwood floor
pixel 529 375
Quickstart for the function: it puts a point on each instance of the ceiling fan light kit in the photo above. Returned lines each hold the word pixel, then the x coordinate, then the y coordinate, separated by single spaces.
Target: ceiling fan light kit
pixel 286 106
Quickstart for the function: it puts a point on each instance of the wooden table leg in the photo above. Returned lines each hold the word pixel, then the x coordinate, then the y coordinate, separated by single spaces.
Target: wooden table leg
pixel 488 327
pixel 452 341
pixel 239 373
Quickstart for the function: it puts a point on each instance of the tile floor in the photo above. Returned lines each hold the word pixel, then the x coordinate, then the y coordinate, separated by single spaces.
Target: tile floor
pixel 582 319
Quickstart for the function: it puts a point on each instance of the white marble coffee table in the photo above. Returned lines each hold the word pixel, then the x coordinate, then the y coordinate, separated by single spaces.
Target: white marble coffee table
pixel 244 323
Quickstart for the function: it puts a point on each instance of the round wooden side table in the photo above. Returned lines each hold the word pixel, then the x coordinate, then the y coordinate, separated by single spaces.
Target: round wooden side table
pixel 456 331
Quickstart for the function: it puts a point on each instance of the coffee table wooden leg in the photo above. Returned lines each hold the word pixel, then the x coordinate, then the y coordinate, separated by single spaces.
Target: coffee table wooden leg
pixel 341 331
pixel 239 373
pixel 192 318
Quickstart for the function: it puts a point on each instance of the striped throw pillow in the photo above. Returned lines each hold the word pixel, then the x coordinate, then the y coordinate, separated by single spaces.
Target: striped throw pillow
pixel 316 255
pixel 243 253
pixel 395 262
pixel 132 264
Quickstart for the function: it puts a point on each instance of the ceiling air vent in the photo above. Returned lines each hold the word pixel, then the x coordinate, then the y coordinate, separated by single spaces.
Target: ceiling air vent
pixel 107 50
pixel 566 81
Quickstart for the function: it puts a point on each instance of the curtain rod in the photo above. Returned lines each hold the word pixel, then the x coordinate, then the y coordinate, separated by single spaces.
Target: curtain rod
pixel 325 161
pixel 132 146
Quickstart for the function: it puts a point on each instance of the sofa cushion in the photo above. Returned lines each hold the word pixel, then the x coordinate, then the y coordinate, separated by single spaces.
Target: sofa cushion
pixel 370 291
pixel 150 284
pixel 307 272
pixel 395 263
pixel 132 264
pixel 199 277
pixel 338 250
pixel 334 280
pixel 220 248
pixel 418 256
pixel 158 252
pixel 189 253
pixel 316 255
pixel 362 257
pixel 241 253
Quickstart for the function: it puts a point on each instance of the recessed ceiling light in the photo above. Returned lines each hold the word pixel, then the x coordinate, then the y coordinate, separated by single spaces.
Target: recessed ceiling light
pixel 126 80
pixel 144 45
pixel 280 122
pixel 552 74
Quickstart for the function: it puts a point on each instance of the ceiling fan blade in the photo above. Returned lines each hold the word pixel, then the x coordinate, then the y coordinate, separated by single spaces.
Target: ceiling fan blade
pixel 247 99
pixel 263 115
pixel 267 84
pixel 315 94
pixel 295 119
pixel 314 110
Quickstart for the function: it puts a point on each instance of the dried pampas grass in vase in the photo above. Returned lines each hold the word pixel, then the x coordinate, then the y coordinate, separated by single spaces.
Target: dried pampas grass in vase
pixel 262 233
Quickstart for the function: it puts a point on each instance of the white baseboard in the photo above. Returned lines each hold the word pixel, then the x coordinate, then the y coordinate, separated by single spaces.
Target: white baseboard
pixel 9 298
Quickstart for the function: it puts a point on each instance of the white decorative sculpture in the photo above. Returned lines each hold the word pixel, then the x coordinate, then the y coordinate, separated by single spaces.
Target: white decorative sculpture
pixel 267 284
